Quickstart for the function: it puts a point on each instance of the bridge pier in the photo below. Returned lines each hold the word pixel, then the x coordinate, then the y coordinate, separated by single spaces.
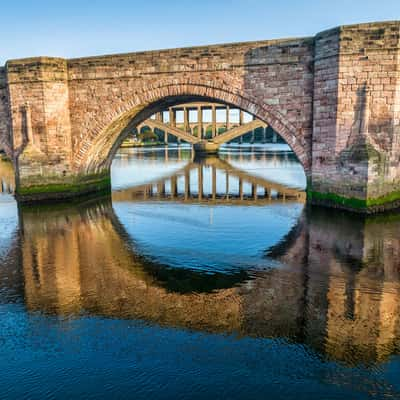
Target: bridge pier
pixel 214 121
pixel 200 123
pixel 186 124
pixel 206 148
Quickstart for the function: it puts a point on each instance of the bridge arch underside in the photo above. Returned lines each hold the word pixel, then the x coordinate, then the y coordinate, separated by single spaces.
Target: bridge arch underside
pixel 103 146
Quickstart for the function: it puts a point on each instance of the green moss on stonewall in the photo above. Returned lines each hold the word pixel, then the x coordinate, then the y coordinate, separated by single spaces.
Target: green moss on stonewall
pixel 389 198
pixel 354 203
pixel 69 188
pixel 350 202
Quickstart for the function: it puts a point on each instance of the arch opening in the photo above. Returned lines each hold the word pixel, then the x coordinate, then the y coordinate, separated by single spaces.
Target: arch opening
pixel 99 148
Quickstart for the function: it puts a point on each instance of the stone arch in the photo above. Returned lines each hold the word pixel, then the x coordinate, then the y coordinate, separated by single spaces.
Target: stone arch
pixel 97 149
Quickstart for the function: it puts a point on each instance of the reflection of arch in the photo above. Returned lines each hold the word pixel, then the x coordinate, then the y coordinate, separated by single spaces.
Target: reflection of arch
pixel 174 279
pixel 292 246
pixel 290 302
pixel 99 217
pixel 98 148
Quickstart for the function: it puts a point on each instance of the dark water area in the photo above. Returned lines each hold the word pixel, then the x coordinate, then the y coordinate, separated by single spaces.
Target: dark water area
pixel 198 279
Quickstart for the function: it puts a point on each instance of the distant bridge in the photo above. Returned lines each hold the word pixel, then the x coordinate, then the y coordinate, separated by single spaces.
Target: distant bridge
pixel 218 130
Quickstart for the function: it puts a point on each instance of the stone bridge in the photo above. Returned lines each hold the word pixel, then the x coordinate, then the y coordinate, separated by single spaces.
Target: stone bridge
pixel 334 98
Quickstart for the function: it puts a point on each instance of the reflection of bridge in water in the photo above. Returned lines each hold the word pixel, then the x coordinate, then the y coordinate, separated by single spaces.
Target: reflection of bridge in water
pixel 337 291
pixel 238 186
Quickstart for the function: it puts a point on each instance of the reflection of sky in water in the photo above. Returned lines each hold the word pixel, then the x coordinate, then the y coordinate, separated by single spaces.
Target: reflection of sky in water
pixel 288 174
pixel 127 171
pixel 8 222
pixel 207 237
pixel 269 161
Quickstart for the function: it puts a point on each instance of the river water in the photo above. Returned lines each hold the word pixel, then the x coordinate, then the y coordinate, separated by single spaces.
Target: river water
pixel 199 279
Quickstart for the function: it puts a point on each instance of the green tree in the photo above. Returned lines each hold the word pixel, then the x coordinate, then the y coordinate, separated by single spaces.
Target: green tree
pixel 147 136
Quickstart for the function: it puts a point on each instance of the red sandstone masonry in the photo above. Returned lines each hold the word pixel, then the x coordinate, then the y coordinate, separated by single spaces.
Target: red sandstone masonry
pixel 356 110
pixel 271 79
pixel 5 134
pixel 42 85
pixel 370 58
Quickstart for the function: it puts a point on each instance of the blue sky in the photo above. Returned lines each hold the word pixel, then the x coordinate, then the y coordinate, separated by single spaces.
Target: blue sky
pixel 81 28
